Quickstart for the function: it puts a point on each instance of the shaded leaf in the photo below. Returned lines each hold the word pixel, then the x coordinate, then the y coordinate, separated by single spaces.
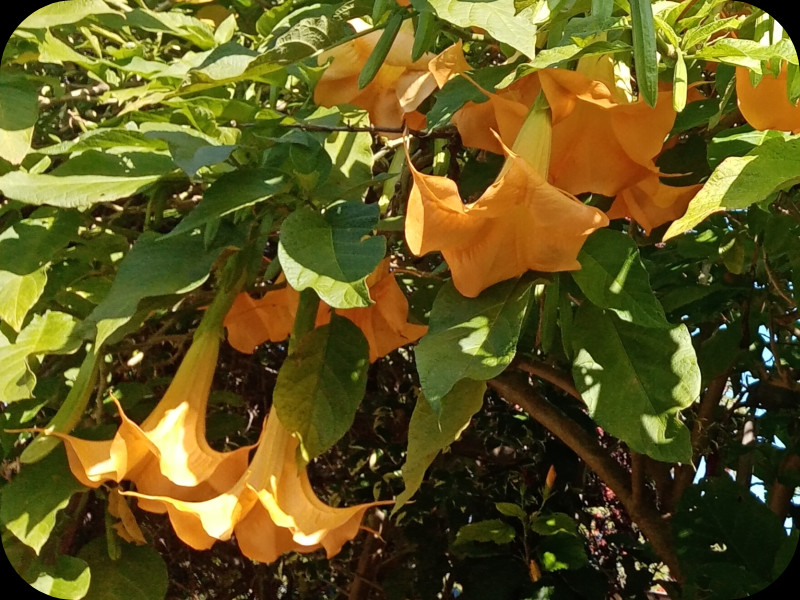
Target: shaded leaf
pixel 562 551
pixel 157 265
pixel 320 385
pixel 429 433
pixel 554 523
pixel 19 110
pixel 18 294
pixel 138 574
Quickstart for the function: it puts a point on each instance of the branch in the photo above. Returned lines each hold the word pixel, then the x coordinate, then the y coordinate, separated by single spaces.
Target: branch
pixel 374 129
pixel 550 374
pixel 780 494
pixel 651 523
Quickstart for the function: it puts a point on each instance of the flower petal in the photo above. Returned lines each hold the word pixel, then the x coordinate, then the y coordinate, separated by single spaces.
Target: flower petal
pixel 767 106
pixel 651 203
pixel 520 223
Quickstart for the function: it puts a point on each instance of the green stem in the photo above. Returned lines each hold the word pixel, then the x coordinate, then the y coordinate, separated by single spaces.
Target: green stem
pixel 234 276
pixel 70 412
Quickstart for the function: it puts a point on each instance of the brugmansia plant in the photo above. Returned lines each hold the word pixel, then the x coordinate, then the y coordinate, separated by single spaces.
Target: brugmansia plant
pixel 399 299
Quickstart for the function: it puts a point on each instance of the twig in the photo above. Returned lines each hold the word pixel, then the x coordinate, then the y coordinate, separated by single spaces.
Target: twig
pixel 373 129
pixel 651 523
pixel 85 93
pixel 780 494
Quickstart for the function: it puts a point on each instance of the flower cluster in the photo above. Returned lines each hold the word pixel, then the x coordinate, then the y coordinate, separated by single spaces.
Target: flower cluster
pixel 267 502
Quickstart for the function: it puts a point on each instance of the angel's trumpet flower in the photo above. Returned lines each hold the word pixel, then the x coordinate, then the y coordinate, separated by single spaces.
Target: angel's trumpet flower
pixel 271 509
pixel 520 222
pixel 603 141
pixel 384 324
pixel 168 452
pixel 767 105
pixel 397 89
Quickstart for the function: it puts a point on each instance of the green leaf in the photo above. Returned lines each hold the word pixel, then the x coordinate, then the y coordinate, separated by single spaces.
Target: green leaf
pixel 429 433
pixel 50 333
pixel 455 94
pixel 738 142
pixel 178 24
pixel 554 523
pixel 738 182
pixel 644 49
pixel 327 253
pixel 726 539
pixel 351 156
pixel 321 383
pixel 701 35
pixel 499 18
pixel 18 294
pixel 511 510
pixel 561 551
pixel 748 53
pixel 424 34
pixel 493 530
pixel 19 110
pixel 139 574
pixel 64 13
pixel 30 503
pixel 634 381
pixel 613 276
pixel 232 191
pixel 157 265
pixel 87 179
pixel 381 49
pixel 31 243
pixel 473 338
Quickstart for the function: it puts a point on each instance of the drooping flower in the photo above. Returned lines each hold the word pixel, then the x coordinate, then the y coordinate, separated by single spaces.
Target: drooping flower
pixel 520 222
pixel 397 89
pixel 651 203
pixel 384 324
pixel 603 141
pixel 271 509
pixel 766 105
pixel 168 453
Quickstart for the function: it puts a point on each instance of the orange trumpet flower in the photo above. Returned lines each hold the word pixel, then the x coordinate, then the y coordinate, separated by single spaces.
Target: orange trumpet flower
pixel 520 222
pixel 397 89
pixel 603 142
pixel 271 509
pixel 385 323
pixel 651 203
pixel 168 453
pixel 766 105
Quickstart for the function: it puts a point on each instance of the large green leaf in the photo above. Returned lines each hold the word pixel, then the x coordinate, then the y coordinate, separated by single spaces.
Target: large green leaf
pixel 613 276
pixel 19 110
pixel 30 503
pixel 320 385
pixel 234 190
pixel 50 333
pixel 63 13
pixel 562 551
pixel 158 265
pixel 739 181
pixel 727 540
pixel 327 253
pixel 644 49
pixel 473 338
pixel 748 53
pixel 429 433
pixel 498 18
pixel 634 381
pixel 87 179
pixel 138 574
